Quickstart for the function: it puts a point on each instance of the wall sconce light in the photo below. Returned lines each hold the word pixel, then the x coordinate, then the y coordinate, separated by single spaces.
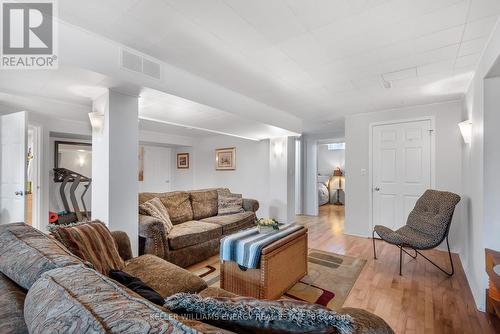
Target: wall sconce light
pixel 466 131
pixel 278 148
pixel 96 121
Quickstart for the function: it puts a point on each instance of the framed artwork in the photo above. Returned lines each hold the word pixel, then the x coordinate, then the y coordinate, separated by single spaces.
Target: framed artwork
pixel 182 160
pixel 225 158
pixel 141 163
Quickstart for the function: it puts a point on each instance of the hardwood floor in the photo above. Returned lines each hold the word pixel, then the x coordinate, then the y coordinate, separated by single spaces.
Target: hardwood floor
pixel 423 300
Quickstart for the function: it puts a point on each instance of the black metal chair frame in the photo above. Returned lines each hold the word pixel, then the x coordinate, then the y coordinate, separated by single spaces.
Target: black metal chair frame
pixel 403 246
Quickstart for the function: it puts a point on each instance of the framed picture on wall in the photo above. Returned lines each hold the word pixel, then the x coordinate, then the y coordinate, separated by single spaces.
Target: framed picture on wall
pixel 225 158
pixel 182 160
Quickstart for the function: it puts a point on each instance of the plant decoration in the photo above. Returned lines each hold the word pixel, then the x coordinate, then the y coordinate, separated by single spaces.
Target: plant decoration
pixel 267 225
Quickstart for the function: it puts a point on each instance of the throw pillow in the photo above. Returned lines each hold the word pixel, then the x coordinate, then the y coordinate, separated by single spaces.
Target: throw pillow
pixel 138 286
pixel 230 204
pixel 250 315
pixel 155 208
pixel 92 242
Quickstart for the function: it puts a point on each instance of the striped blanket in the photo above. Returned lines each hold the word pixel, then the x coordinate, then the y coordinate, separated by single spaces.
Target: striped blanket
pixel 245 247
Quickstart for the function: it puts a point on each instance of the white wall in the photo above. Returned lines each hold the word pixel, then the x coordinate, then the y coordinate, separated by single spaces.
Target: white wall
pixel 328 160
pixel 251 177
pixel 448 157
pixel 482 232
pixel 260 172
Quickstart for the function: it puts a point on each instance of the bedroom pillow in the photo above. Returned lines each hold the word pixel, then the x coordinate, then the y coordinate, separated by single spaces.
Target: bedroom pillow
pixel 250 315
pixel 155 208
pixel 230 204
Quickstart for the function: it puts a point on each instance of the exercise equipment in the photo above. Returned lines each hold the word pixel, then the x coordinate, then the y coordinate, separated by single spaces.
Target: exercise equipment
pixel 75 179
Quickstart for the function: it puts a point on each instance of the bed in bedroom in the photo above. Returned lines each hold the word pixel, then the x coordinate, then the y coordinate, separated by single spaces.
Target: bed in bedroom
pixel 323 193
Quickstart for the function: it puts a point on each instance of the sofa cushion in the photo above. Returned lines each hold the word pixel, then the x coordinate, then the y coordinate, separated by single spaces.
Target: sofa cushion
pixel 204 203
pixel 234 222
pixel 76 299
pixel 192 233
pixel 92 242
pixel 26 253
pixel 162 276
pixel 177 203
pixel 11 307
pixel 155 208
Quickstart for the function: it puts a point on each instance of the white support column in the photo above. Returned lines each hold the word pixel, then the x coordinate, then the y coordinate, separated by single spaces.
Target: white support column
pixel 114 164
pixel 282 179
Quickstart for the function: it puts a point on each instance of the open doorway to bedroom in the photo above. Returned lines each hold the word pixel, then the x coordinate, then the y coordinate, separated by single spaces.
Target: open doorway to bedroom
pixel 331 180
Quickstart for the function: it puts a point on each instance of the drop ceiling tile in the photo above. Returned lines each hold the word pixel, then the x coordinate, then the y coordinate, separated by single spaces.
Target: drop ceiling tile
pixel 483 8
pixel 479 28
pixel 442 19
pixel 305 51
pixel 222 21
pixel 439 39
pixel 434 56
pixel 438 67
pixel 469 60
pixel 400 75
pixel 472 46
pixel 273 19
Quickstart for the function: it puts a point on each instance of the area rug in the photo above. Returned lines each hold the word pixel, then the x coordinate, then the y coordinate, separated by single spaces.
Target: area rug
pixel 330 278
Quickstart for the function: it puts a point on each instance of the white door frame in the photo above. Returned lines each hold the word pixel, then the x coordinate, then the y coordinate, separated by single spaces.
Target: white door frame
pixel 37 186
pixel 370 155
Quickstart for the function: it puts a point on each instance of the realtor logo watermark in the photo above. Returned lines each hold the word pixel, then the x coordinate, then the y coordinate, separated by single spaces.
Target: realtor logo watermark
pixel 28 35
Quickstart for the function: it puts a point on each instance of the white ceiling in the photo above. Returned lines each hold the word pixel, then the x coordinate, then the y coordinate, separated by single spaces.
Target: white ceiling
pixel 68 93
pixel 319 60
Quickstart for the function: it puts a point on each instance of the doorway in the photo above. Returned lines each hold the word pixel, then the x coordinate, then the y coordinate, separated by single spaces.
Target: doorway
pixel 401 169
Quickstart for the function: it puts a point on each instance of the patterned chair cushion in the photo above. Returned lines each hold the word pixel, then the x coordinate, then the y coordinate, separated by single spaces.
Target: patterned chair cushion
pixel 26 253
pixel 192 233
pixel 92 242
pixel 11 307
pixel 233 222
pixel 427 223
pixel 204 203
pixel 77 299
pixel 155 208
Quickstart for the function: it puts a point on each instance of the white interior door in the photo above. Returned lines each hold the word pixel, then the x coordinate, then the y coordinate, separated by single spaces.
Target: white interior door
pixel 157 169
pixel 401 168
pixel 13 135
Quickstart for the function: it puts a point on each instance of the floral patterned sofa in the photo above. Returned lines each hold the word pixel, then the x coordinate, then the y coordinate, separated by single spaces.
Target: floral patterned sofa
pixel 44 288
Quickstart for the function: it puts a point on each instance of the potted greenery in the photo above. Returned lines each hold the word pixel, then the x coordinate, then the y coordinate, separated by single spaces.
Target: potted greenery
pixel 267 225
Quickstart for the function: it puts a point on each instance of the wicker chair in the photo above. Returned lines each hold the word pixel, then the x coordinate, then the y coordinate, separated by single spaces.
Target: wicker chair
pixel 427 226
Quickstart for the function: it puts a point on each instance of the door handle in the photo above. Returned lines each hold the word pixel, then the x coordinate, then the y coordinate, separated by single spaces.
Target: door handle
pixel 19 193
pixel 376 189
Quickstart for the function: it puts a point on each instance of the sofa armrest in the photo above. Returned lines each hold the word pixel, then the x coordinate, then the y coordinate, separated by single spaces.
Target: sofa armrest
pixel 123 243
pixel 250 204
pixel 153 232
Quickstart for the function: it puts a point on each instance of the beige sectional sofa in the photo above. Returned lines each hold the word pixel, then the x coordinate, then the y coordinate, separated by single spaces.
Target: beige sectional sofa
pixel 198 227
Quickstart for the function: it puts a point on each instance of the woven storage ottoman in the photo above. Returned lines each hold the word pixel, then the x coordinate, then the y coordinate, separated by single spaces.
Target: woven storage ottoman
pixel 282 264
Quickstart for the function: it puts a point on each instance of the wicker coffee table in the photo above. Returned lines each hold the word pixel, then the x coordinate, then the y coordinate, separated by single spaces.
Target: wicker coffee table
pixel 282 264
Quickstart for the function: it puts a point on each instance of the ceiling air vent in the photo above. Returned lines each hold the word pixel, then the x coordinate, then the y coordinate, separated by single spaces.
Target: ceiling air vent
pixel 137 63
